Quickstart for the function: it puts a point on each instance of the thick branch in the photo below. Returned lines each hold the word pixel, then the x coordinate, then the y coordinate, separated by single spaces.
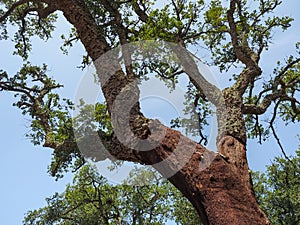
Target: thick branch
pixel 12 8
pixel 140 12
pixel 77 14
pixel 263 106
pixel 242 52
pixel 42 11
pixel 198 79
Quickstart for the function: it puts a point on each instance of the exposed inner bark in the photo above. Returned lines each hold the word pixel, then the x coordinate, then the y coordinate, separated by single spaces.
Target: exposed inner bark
pixel 219 187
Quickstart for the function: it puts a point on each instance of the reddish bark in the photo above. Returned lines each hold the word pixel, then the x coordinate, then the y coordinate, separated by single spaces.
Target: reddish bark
pixel 219 188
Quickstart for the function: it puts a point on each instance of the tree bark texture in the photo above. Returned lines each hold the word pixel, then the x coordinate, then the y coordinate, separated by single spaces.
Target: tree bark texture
pixel 217 184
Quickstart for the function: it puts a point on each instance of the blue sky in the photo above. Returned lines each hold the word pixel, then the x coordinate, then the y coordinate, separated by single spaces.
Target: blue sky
pixel 24 179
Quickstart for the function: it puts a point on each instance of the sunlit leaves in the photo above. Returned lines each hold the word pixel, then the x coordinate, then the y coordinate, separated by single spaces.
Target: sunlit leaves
pixel 278 190
pixel 92 118
pixel 27 18
pixel 37 99
pixel 91 199
pixel 50 120
pixel 174 22
pixel 280 93
pixel 254 29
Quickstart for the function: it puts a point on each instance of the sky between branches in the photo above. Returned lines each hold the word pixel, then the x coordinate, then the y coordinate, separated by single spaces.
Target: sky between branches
pixel 25 182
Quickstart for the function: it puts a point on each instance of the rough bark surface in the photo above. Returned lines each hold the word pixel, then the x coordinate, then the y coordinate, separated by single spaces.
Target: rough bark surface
pixel 219 188
pixel 217 184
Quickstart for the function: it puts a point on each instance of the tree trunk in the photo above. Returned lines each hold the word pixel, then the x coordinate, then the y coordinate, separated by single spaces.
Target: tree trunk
pixel 219 187
pixel 217 184
pixel 222 193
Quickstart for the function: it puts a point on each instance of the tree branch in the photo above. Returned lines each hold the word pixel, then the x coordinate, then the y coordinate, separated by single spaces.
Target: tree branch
pixel 143 16
pixel 279 91
pixel 123 35
pixel 263 106
pixel 42 11
pixel 242 52
pixel 12 8
pixel 274 131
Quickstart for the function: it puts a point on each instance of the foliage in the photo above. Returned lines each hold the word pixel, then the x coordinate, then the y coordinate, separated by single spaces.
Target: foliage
pixel 278 190
pixel 234 35
pixel 188 24
pixel 91 199
pixel 38 24
pixel 198 111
